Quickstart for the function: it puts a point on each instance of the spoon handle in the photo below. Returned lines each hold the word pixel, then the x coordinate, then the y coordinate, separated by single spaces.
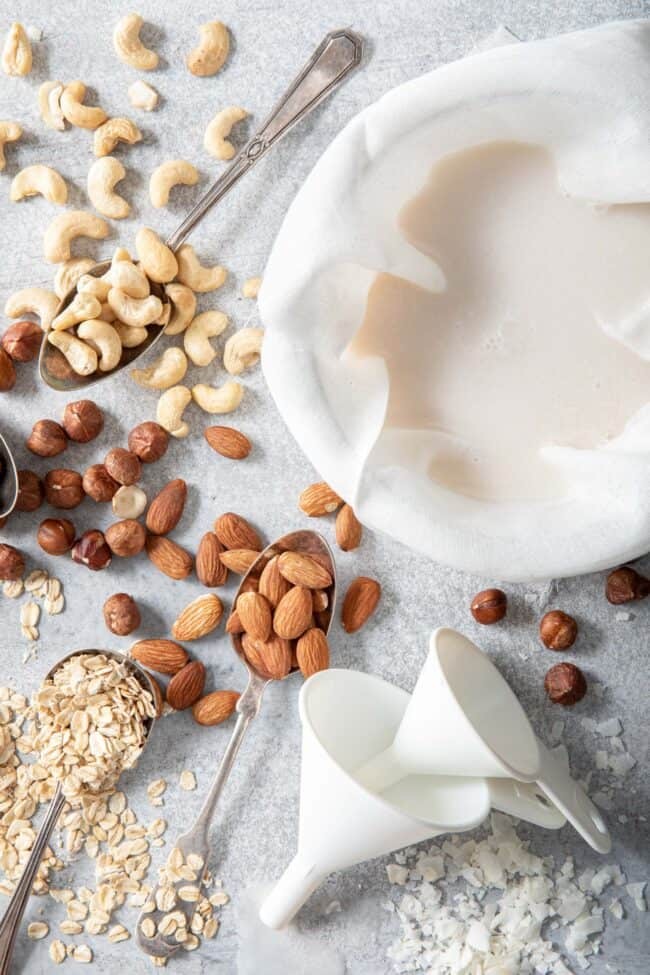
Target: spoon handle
pixel 336 56
pixel 16 908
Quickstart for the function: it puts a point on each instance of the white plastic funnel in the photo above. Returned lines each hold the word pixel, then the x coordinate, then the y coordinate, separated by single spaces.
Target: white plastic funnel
pixel 464 719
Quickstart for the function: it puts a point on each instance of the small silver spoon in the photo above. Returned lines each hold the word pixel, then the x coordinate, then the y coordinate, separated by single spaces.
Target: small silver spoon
pixel 16 908
pixel 333 60
pixel 197 841
pixel 8 479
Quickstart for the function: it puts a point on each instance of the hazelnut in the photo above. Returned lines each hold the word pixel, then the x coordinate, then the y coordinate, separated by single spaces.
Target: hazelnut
pixel 91 550
pixel 126 538
pixel 63 488
pixel 148 441
pixel 129 501
pixel 565 684
pixel 489 606
pixel 56 535
pixel 558 630
pixel 12 563
pixel 123 465
pixel 624 585
pixel 30 491
pixel 7 372
pixel 98 483
pixel 22 341
pixel 83 420
pixel 121 614
pixel 47 438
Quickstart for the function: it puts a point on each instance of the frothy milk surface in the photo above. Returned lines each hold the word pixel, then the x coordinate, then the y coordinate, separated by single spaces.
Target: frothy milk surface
pixel 512 355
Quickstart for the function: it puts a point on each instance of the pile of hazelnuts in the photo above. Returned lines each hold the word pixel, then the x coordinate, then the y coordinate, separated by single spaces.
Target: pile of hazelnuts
pixel 564 683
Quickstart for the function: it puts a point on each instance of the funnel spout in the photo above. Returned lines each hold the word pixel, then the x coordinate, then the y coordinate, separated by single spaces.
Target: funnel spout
pixel 295 886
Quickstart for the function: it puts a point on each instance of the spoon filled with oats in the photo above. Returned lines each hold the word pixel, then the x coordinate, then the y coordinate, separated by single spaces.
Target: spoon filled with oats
pixel 92 716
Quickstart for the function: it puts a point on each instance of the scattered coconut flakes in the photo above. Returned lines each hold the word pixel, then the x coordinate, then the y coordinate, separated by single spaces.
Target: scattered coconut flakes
pixel 187 780
pixel 397 874
pixel 616 909
pixel 637 893
pixel 610 728
pixel 622 616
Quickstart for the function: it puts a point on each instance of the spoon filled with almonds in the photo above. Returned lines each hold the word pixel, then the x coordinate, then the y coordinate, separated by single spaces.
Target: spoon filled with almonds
pixel 281 616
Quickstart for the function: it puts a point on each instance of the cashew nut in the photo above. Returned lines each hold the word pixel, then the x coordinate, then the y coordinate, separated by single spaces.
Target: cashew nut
pixel 49 104
pixel 33 301
pixel 9 132
pixel 115 130
pixel 243 350
pixel 78 114
pixel 216 135
pixel 39 179
pixel 165 315
pixel 130 337
pixel 81 356
pixel 92 285
pixel 192 273
pixel 102 177
pixel 166 371
pixel 218 399
pixel 121 254
pixel 136 312
pixel 212 51
pixel 17 52
pixel 128 277
pixel 205 326
pixel 157 260
pixel 128 46
pixel 63 230
pixel 169 411
pixel 103 338
pixel 69 273
pixel 82 307
pixel 141 95
pixel 184 307
pixel 168 175
pixel 251 287
pixel 107 314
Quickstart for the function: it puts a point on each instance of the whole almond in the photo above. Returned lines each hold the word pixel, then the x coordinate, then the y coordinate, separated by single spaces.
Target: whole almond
pixel 228 442
pixel 271 658
pixel 198 618
pixel 301 570
pixel 320 600
pixel 186 686
pixel 348 529
pixel 272 583
pixel 210 569
pixel 254 612
pixel 239 560
pixel 158 699
pixel 360 603
pixel 169 557
pixel 293 613
pixel 233 623
pixel 167 507
pixel 126 538
pixel 233 531
pixel 215 707
pixel 163 656
pixel 312 652
pixel 319 499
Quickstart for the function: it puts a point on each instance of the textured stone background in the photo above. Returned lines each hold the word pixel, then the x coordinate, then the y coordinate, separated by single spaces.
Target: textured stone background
pixel 254 835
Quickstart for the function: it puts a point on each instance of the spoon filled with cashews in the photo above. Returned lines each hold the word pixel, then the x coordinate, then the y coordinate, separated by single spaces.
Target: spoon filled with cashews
pixel 111 313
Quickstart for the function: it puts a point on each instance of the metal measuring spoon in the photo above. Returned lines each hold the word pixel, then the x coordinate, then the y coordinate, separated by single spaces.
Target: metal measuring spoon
pixel 195 844
pixel 333 60
pixel 8 479
pixel 16 908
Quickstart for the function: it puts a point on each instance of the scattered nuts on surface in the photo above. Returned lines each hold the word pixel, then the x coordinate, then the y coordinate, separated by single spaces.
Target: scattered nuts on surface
pixel 163 656
pixel 73 108
pixel 123 465
pixel 242 350
pixel 126 538
pixel 558 630
pixel 625 585
pixel 210 570
pixel 169 174
pixel 183 302
pixel 167 507
pixel 9 132
pixel 47 439
pixel 114 130
pixel 318 500
pixel 251 287
pixel 215 138
pixel 207 325
pixel 565 684
pixel 169 557
pixel 83 421
pixel 238 560
pixel 22 341
pixel 30 491
pixel 157 260
pixel 129 501
pixel 12 563
pixel 198 618
pixel 98 484
pixel 360 603
pixel 218 399
pixel 164 372
pixel 56 535
pixel 489 606
pixel 121 614
pixel 148 441
pixel 234 532
pixel 228 442
pixel 186 686
pixel 348 529
pixel 128 46
pixel 194 275
pixel 65 228
pixel 63 488
pixel 170 409
pixel 143 96
pixel 103 176
pixel 39 180
pixel 210 55
pixel 7 372
pixel 17 52
pixel 92 551
pixel 33 301
pixel 215 707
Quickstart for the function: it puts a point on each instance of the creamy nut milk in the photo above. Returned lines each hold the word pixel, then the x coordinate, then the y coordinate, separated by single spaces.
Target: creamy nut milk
pixel 512 356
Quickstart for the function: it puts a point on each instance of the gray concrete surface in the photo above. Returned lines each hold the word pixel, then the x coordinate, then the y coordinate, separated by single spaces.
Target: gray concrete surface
pixel 254 835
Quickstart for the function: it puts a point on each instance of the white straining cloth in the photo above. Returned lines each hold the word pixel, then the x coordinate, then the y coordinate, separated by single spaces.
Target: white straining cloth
pixel 586 97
